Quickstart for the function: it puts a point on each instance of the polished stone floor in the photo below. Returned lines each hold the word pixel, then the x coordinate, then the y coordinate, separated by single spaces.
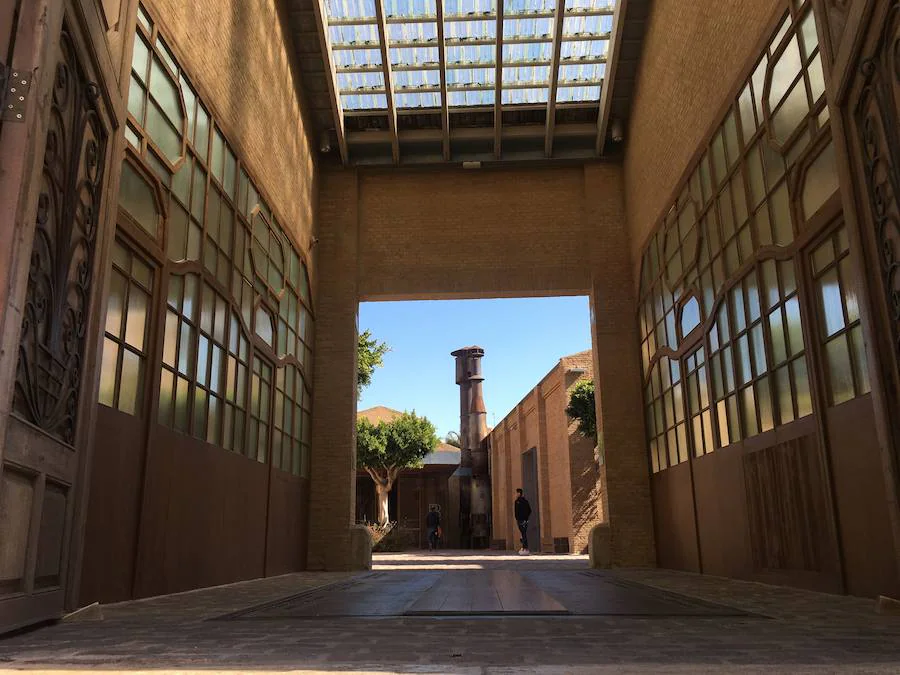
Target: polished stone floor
pixel 453 612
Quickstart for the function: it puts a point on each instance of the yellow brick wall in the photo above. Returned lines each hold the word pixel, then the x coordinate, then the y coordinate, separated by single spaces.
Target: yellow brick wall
pixel 693 56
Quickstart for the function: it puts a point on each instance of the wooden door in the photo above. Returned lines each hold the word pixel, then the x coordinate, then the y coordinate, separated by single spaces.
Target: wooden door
pixel 48 374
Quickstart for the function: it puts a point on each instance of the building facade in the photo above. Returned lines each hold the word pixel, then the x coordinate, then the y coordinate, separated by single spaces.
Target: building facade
pixel 192 205
pixel 538 448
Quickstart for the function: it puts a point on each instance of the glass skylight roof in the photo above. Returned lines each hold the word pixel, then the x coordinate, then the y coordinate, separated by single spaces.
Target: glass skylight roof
pixel 458 58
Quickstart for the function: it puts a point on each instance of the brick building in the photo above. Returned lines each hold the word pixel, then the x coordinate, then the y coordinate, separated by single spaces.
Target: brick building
pixel 196 196
pixel 414 492
pixel 538 447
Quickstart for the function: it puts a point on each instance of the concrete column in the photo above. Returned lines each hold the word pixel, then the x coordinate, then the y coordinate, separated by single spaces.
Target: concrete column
pixel 618 379
pixel 332 501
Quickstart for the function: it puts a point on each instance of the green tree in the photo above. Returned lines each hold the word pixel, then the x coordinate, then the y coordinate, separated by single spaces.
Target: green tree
pixel 383 450
pixel 453 439
pixel 370 355
pixel 581 408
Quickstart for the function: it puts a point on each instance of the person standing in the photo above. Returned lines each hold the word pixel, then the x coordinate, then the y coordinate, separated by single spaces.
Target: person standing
pixel 433 523
pixel 522 511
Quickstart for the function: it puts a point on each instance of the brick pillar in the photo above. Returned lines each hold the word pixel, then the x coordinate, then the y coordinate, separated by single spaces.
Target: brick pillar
pixel 544 470
pixel 332 501
pixel 618 380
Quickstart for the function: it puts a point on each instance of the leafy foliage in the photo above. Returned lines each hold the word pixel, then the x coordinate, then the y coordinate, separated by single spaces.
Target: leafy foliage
pixel 581 408
pixel 399 444
pixel 383 450
pixel 370 355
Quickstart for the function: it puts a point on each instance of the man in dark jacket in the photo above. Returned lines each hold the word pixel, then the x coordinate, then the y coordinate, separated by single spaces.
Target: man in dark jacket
pixel 523 512
pixel 432 522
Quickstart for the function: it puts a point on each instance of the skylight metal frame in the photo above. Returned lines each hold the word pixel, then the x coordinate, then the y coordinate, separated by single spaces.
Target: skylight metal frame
pixel 538 72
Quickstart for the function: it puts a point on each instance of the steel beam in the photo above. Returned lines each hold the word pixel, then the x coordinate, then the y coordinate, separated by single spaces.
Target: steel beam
pixel 331 77
pixel 388 79
pixel 554 76
pixel 498 84
pixel 615 43
pixel 445 104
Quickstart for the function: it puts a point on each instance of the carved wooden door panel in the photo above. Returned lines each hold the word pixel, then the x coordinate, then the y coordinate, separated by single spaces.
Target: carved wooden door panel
pixel 872 114
pixel 47 427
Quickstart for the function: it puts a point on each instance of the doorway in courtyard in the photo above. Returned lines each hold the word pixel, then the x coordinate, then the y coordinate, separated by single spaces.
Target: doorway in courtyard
pixel 461 404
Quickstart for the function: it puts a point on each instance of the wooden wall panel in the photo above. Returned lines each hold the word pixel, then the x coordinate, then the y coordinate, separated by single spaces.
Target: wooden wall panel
pixel 673 516
pixel 113 516
pixel 862 500
pixel 287 526
pixel 203 518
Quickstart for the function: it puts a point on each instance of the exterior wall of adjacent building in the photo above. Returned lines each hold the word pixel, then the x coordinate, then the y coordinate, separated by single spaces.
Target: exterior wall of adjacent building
pixel 757 341
pixel 569 499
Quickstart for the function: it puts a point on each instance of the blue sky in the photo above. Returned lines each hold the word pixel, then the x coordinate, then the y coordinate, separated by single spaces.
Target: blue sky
pixel 523 338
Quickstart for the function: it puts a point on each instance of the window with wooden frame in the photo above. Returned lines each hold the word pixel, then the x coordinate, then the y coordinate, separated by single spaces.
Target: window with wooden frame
pixel 238 312
pixel 840 331
pixel 739 200
pixel 126 335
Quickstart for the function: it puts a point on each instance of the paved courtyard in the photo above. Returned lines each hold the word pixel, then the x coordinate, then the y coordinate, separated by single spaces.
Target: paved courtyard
pixel 487 612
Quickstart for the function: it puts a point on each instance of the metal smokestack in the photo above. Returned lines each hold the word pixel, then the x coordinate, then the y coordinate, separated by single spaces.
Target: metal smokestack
pixel 474 481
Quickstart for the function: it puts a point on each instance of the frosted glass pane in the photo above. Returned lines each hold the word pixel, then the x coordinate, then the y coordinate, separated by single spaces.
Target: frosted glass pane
pixel 794 326
pixel 850 300
pixel 165 91
pixel 745 109
pixel 170 340
pixel 840 373
pixel 162 133
pixel 764 404
pixel 821 181
pixel 801 383
pixel 742 353
pixel 108 373
pixel 748 405
pixel 136 196
pixel 791 113
pixel 781 216
pixel 759 350
pixel 182 390
pixel 785 397
pixel 784 71
pixel 166 397
pixel 115 304
pixel 770 283
pixel 831 302
pixel 816 78
pixel 185 350
pixel 776 328
pixel 136 321
pixel 202 360
pixel 130 382
pixel 860 368
pixel 177 232
pixel 136 99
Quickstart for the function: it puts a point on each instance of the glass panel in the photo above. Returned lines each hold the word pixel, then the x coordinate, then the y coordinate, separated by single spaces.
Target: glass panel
pixel 785 397
pixel 776 328
pixel 162 133
pixel 108 373
pixel 166 94
pixel 170 340
pixel 860 368
pixel 115 304
pixel 136 321
pixel 136 196
pixel 182 404
pixel 166 397
pixel 821 181
pixel 791 113
pixel 784 71
pixel 130 382
pixel 801 383
pixel 831 301
pixel 840 373
pixel 794 326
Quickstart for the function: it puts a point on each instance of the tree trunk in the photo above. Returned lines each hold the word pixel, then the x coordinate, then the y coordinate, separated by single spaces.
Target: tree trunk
pixel 381 502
